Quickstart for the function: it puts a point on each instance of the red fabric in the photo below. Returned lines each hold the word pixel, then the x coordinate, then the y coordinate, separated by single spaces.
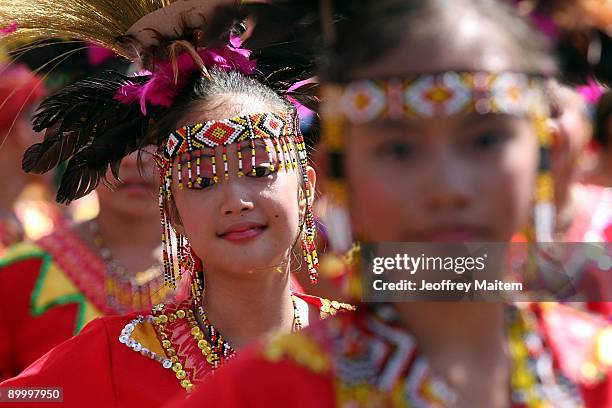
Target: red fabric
pixel 603 308
pixel 25 337
pixel 570 335
pixel 275 385
pixel 608 233
pixel 95 363
pixel 95 370
pixel 285 383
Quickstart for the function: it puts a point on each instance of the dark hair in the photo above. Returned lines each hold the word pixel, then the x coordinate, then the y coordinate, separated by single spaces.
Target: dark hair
pixel 603 116
pixel 206 92
pixel 376 27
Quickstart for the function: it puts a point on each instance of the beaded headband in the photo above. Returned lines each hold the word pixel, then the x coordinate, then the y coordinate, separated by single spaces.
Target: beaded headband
pixel 189 143
pixel 444 94
pixel 434 95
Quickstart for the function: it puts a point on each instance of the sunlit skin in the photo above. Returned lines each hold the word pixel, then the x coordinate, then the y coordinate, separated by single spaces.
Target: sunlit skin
pixel 460 178
pixel 244 230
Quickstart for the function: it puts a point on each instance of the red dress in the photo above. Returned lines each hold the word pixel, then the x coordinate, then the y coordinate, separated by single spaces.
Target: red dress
pixel 48 291
pixel 130 360
pixel 367 359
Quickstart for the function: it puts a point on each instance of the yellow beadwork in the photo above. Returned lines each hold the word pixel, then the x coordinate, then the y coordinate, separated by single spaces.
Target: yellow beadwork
pixel 159 322
pixel 330 308
pixel 604 347
pixel 300 348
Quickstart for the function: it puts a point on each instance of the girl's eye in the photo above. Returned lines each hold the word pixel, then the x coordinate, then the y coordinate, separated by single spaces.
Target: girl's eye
pixel 395 151
pixel 202 183
pixel 260 171
pixel 489 140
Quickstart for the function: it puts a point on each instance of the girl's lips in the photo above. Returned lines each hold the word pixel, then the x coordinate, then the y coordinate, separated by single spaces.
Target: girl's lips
pixel 245 232
pixel 139 188
pixel 453 234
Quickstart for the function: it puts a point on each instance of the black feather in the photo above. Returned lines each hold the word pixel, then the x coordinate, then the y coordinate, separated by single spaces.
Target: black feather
pixel 74 117
pixel 283 40
pixel 88 167
pixel 306 94
pixel 86 126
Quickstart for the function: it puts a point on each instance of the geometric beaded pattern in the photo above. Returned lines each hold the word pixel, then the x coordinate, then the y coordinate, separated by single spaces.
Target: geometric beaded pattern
pixel 375 361
pixel 444 94
pixel 227 131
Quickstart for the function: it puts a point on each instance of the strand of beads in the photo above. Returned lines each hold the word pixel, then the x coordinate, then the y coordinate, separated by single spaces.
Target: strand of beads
pixel 126 338
pixel 160 319
pixel 217 349
pixel 297 323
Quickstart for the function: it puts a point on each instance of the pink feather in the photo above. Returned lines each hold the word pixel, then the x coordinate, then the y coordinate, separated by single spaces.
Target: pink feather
pixel 97 55
pixel 162 88
pixel 8 30
pixel 591 92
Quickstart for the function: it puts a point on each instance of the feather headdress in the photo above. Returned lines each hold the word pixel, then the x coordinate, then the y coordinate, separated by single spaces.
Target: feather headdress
pixel 131 28
pixel 94 123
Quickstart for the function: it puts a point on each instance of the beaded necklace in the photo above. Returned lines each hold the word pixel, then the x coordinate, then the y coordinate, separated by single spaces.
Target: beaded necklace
pixel 214 348
pixel 126 291
pixel 218 349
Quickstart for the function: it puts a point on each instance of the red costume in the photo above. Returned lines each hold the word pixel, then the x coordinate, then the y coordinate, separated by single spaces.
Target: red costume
pixel 366 359
pixel 123 361
pixel 48 291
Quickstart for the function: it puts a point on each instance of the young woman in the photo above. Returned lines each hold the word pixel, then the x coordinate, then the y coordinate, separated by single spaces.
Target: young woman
pixel 107 266
pixel 437 110
pixel 235 198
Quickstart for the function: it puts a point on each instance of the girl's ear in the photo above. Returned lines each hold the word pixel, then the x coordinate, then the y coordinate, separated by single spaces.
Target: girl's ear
pixel 312 179
pixel 174 217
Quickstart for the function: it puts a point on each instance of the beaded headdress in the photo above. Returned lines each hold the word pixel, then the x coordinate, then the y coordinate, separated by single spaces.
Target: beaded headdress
pixel 195 147
pixel 92 124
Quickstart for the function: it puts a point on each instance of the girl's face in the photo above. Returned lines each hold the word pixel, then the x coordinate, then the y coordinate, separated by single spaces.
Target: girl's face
pixel 463 178
pixel 136 195
pixel 448 178
pixel 242 225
